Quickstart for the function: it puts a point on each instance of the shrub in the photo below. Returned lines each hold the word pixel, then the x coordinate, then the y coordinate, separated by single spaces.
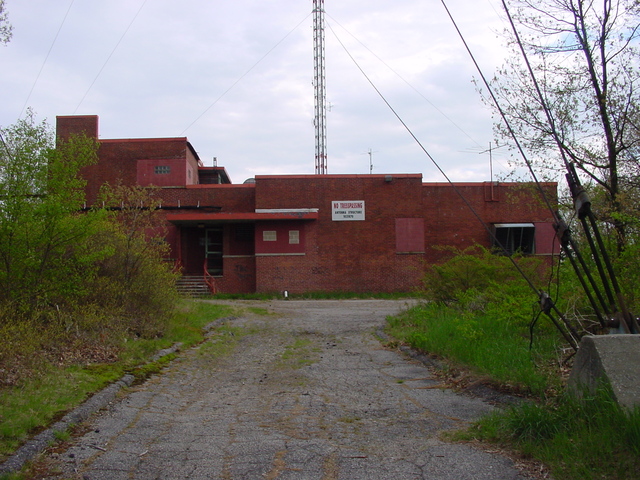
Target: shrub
pixel 477 273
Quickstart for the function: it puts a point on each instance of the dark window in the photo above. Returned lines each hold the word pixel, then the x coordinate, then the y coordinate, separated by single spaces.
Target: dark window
pixel 514 237
pixel 213 251
pixel 243 232
pixel 162 169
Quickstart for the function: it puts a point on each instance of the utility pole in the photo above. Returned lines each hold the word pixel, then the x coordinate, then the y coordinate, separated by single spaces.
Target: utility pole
pixel 320 120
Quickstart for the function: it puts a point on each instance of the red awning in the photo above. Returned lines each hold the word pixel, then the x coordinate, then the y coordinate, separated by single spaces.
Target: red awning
pixel 199 217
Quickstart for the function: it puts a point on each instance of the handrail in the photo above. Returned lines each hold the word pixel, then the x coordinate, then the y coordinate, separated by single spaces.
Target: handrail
pixel 177 266
pixel 209 279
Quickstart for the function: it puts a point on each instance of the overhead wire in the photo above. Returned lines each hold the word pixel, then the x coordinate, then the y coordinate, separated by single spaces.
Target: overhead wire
pixel 395 72
pixel 110 55
pixel 244 74
pixel 583 207
pixel 45 59
pixel 546 303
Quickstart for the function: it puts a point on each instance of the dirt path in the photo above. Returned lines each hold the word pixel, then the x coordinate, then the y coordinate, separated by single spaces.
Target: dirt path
pixel 308 392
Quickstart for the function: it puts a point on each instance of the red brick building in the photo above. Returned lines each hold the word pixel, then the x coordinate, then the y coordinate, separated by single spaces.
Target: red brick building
pixel 304 233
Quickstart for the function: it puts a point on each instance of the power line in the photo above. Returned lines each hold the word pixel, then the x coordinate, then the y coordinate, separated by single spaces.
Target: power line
pixel 110 55
pixel 45 59
pixel 407 82
pixel 546 303
pixel 244 75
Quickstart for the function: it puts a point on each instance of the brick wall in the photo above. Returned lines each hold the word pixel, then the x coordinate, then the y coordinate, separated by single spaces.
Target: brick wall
pixel 343 255
pixel 449 220
pixel 360 256
pixel 77 125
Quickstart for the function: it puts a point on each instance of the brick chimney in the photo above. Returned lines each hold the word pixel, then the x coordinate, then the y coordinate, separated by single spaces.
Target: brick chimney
pixel 76 124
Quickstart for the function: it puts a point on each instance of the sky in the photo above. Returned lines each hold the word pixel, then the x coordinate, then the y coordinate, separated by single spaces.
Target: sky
pixel 235 78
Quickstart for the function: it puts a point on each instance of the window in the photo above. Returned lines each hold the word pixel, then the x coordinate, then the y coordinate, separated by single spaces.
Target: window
pixel 280 238
pixel 213 251
pixel 162 169
pixel 243 232
pixel 514 237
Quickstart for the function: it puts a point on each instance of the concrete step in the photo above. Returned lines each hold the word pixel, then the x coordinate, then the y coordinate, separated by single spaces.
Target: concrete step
pixel 192 286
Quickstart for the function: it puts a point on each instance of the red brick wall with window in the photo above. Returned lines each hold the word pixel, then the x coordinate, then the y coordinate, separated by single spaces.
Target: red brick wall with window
pixel 343 255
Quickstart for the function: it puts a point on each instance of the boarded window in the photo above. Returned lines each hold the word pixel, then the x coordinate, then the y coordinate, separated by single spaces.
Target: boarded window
pixel 546 241
pixel 409 235
pixel 269 236
pixel 280 238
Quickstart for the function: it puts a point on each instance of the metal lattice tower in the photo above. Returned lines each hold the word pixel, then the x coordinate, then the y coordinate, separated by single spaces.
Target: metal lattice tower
pixel 320 120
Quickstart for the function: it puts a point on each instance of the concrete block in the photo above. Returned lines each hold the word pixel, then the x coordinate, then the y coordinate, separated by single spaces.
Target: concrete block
pixel 610 358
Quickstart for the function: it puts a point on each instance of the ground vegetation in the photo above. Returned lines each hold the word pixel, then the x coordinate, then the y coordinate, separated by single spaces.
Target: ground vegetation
pixel 76 282
pixel 482 322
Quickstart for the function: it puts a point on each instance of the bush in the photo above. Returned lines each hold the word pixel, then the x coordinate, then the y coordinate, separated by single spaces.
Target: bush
pixel 73 284
pixel 478 272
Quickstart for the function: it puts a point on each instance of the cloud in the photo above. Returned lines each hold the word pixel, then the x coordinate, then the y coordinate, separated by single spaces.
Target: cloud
pixel 236 78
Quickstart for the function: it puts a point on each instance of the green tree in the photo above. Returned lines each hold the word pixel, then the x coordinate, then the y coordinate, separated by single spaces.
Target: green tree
pixel 135 280
pixel 584 57
pixel 44 259
pixel 5 27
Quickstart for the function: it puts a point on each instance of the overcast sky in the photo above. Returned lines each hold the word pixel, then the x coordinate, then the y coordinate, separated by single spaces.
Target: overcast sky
pixel 235 77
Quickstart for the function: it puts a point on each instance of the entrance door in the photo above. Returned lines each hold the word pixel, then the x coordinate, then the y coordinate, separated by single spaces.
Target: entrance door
pixel 213 251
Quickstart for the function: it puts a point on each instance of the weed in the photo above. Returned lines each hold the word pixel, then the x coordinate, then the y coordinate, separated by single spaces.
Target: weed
pixel 222 341
pixel 259 311
pixel 62 435
pixel 485 341
pixel 300 353
pixel 349 419
pixel 52 387
pixel 591 438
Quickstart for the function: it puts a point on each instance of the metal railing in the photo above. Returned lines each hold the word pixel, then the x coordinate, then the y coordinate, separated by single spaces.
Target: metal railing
pixel 209 279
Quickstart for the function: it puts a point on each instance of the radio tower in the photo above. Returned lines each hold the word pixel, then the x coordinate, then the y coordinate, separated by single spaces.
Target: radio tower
pixel 320 120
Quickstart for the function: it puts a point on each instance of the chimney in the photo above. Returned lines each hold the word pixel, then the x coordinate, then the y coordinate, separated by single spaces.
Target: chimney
pixel 76 124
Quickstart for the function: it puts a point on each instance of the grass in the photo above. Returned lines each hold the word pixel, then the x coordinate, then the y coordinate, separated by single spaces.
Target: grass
pixel 592 438
pixel 490 345
pixel 578 440
pixel 47 394
pixel 301 353
pixel 37 403
pixel 224 340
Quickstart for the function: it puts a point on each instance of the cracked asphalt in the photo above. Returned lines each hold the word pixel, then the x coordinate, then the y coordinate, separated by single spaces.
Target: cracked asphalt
pixel 306 392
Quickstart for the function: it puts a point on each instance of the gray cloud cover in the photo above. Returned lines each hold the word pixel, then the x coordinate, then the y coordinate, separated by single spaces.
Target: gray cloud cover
pixel 235 77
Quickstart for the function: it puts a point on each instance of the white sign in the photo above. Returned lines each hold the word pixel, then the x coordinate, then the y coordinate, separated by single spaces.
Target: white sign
pixel 347 210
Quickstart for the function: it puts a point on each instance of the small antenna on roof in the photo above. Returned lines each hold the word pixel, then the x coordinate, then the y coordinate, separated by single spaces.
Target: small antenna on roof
pixel 370 153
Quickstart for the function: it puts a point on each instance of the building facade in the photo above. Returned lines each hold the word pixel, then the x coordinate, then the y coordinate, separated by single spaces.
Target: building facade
pixel 303 233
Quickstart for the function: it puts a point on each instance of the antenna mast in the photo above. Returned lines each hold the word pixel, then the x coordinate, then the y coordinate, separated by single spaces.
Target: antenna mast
pixel 320 120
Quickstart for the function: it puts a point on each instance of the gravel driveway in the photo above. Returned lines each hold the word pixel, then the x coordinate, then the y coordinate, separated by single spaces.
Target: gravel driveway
pixel 307 392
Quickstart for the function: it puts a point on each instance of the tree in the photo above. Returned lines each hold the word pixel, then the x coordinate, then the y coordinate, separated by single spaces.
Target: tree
pixel 584 57
pixel 44 256
pixel 5 27
pixel 135 279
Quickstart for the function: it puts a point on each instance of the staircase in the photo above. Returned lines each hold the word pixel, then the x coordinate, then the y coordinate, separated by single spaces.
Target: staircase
pixel 192 286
